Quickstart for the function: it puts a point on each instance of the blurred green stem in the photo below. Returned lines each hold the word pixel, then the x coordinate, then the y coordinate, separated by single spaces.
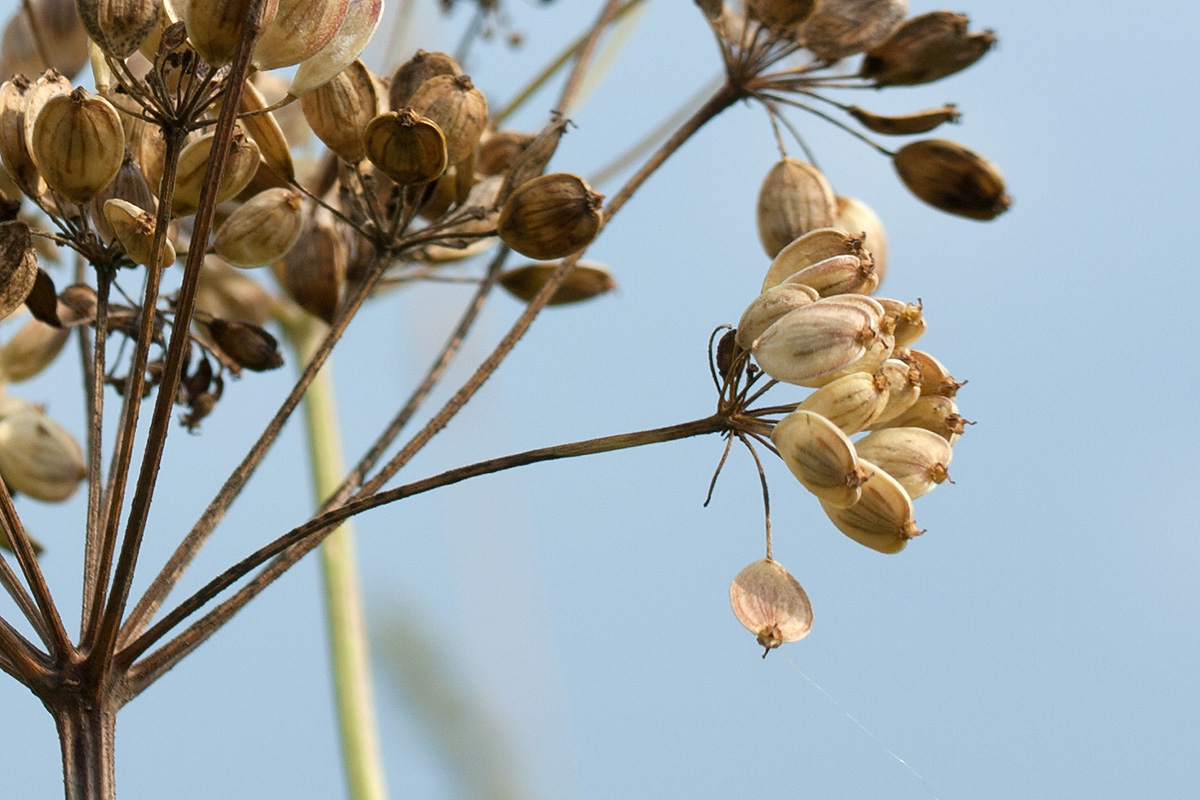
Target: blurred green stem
pixel 343 594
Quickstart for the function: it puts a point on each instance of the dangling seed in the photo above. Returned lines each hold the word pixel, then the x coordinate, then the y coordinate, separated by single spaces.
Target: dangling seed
pixel 261 230
pixel 249 346
pixel 906 124
pixel 841 28
pixel 768 308
pixel 408 148
pixel 298 31
pixel 882 519
pixel 771 604
pixel 458 108
pixel 851 402
pixel 551 217
pixel 915 457
pixel 18 265
pixel 812 248
pixel 39 457
pixel 340 110
pixel 362 17
pixel 926 48
pixel 314 270
pixel 952 178
pixel 795 198
pixel 583 282
pixel 821 457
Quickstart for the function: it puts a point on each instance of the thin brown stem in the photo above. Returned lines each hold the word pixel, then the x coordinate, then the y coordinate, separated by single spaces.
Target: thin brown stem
pixel 8 579
pixel 85 732
pixel 93 360
pixel 309 535
pixel 26 661
pixel 584 56
pixel 18 539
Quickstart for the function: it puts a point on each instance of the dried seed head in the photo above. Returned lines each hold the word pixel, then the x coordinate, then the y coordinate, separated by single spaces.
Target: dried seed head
pixel 768 308
pixel 952 178
pixel 79 144
pixel 458 108
pixel 813 248
pixel 821 457
pixel 780 13
pixel 314 270
pixel 299 30
pixel 551 216
pixel 406 146
pixel 770 603
pixel 882 519
pixel 261 230
pixel 240 165
pixel 118 26
pixel 857 218
pixel 362 17
pixel 583 282
pixel 340 110
pixel 228 293
pixel 18 265
pixel 933 413
pixel 852 402
pixel 841 28
pixel 39 457
pixel 809 345
pixel 794 199
pixel 34 347
pixel 134 229
pixel 915 457
pixel 906 124
pixel 249 346
pixel 926 48
pixel 409 76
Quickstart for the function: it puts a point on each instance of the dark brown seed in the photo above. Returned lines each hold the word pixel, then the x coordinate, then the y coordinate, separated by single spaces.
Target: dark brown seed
pixel 551 216
pixel 249 346
pixel 952 178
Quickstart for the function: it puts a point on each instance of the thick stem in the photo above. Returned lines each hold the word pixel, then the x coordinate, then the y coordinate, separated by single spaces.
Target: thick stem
pixel 85 733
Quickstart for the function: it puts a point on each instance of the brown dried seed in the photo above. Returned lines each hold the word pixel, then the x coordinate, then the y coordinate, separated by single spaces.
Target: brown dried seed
pixel 820 456
pixel 406 146
pixel 134 228
pixel 34 347
pixel 583 282
pixel 118 26
pixel 458 108
pixel 499 150
pixel 18 265
pixel 795 198
pixel 780 13
pixel 264 129
pixel 229 293
pixel 14 147
pixel 952 178
pixel 261 230
pixel 935 378
pixel 882 519
pixel 340 110
pixel 926 48
pixel 79 144
pixel 533 160
pixel 240 165
pixel 57 23
pixel 347 44
pixel 771 604
pixel 409 76
pixel 214 26
pixel 551 216
pixel 299 30
pixel 841 28
pixel 906 124
pixel 314 270
pixel 249 346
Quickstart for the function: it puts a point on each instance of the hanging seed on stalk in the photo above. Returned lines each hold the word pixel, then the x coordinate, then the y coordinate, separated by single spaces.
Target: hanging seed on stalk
pixel 34 347
pixel 314 271
pixel 915 457
pixel 340 110
pixel 583 282
pixel 458 108
pixel 362 17
pixel 780 14
pixel 129 185
pixel 118 26
pixel 809 345
pixel 81 300
pixel 261 230
pixel 406 146
pixel 811 248
pixel 882 519
pixel 795 198
pixel 298 31
pixel 820 456
pixel 249 346
pixel 952 178
pixel 78 144
pixel 134 229
pixel 771 604
pixel 214 26
pixel 14 147
pixel 841 28
pixel 240 165
pixel 18 265
pixel 409 76
pixel 933 413
pixel 852 402
pixel 906 124
pixel 768 308
pixel 39 457
pixel 926 48
pixel 551 216
pixel 857 218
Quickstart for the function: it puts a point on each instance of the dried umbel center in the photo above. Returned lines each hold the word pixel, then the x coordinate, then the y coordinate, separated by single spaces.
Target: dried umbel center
pixel 459 109
pixel 952 178
pixel 583 282
pixel 794 199
pixel 841 28
pixel 406 146
pixel 770 603
pixel 340 110
pixel 412 73
pixel 551 216
pixel 926 48
pixel 299 30
pixel 118 26
pixel 78 144
pixel 39 457
pixel 261 230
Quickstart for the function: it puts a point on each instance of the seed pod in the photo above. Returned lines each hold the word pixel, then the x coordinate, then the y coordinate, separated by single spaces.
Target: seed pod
pixel 134 229
pixel 39 457
pixel 915 457
pixel 857 218
pixel 249 346
pixel 926 48
pixel 228 293
pixel 240 166
pixel 81 300
pixel 771 604
pixel 768 308
pixel 409 76
pixel 551 216
pixel 266 132
pixel 904 387
pixel 583 282
pixel 935 378
pixel 118 26
pixel 952 178
pixel 499 150
pixel 882 519
pixel 457 107
pixel 407 147
pixel 362 17
pixel 780 14
pixel 812 248
pixel 18 265
pixel 933 413
pixel 14 148
pixel 314 270
pixel 821 457
pixel 907 320
pixel 841 28
pixel 794 199
pixel 298 31
pixel 906 124
pixel 214 26
pixel 808 345
pixel 533 160
pixel 78 144
pixel 65 40
pixel 33 347
pixel 835 275
pixel 852 402
pixel 129 185
pixel 261 230
pixel 339 111
pixel 49 84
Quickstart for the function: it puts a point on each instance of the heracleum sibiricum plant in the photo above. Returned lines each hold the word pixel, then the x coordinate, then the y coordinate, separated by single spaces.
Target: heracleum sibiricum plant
pixel 175 170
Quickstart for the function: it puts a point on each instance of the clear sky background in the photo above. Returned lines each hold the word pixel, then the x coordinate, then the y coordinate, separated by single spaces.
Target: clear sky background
pixel 1039 641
